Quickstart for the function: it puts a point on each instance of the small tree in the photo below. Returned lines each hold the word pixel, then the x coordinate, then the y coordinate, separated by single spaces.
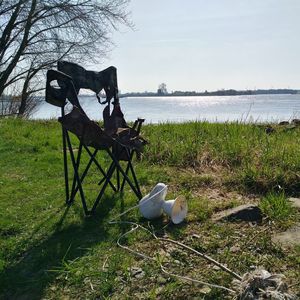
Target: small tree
pixel 162 89
pixel 35 34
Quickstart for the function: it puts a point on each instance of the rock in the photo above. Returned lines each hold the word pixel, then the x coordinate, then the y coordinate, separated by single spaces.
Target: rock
pixel 246 212
pixel 296 122
pixel 140 275
pixel 284 123
pixel 295 202
pixel 235 249
pixel 216 268
pixel 137 272
pixel 260 284
pixel 205 290
pixel 269 130
pixel 290 127
pixel 195 236
pixel 290 237
pixel 161 280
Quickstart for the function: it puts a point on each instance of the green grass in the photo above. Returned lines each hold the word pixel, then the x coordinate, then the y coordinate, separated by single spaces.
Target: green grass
pixel 49 250
pixel 260 162
pixel 277 207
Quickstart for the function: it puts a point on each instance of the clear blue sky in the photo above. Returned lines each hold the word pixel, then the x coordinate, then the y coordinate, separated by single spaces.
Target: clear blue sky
pixel 209 44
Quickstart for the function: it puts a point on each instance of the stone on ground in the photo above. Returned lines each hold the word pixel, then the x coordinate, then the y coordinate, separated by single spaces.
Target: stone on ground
pixel 295 202
pixel 246 212
pixel 290 237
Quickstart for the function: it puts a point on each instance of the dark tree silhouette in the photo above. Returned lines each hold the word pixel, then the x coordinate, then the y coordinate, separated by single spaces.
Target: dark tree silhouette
pixel 35 34
pixel 162 89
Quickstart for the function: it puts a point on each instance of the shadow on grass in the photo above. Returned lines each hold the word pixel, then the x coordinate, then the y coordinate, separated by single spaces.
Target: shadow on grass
pixel 30 275
pixel 163 227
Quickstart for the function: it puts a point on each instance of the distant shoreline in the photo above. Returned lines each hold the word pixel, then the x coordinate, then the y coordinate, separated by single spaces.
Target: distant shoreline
pixel 230 92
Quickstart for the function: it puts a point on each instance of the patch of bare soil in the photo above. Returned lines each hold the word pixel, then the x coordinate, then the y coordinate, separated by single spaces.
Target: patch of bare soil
pixel 241 246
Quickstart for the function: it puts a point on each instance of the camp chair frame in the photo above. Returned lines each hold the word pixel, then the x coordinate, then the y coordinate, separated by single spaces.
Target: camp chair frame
pixel 71 189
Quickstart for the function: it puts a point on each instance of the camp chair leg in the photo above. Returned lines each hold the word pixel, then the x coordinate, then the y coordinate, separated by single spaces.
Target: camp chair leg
pixel 104 178
pixel 74 188
pixel 116 162
pixel 108 178
pixel 65 163
pixel 126 171
pixel 118 180
pixel 135 179
pixel 136 126
pixel 85 172
pixel 99 167
pixel 77 175
pixel 115 165
pixel 130 167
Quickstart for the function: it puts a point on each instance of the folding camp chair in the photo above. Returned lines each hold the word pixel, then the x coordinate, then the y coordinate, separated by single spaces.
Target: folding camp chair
pixel 120 144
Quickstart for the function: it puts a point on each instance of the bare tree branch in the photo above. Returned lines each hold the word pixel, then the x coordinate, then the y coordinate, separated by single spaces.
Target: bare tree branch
pixel 38 33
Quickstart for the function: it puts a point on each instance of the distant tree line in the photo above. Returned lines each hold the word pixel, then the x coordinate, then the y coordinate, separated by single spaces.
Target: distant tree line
pixel 229 92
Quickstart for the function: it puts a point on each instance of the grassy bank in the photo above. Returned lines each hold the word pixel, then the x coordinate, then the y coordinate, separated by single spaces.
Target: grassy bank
pixel 52 251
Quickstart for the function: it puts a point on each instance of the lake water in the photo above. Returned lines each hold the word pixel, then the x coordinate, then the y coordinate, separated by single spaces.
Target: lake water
pixel 253 108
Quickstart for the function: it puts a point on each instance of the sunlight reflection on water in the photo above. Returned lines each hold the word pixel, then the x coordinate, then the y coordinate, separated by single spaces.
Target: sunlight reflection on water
pixel 253 108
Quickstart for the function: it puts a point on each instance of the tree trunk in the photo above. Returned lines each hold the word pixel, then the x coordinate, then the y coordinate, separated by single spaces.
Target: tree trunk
pixel 24 97
pixel 8 29
pixel 6 73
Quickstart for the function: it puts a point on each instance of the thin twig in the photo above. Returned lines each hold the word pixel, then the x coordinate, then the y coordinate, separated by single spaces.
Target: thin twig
pixel 224 268
pixel 196 281
pixel 136 226
pixel 104 263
